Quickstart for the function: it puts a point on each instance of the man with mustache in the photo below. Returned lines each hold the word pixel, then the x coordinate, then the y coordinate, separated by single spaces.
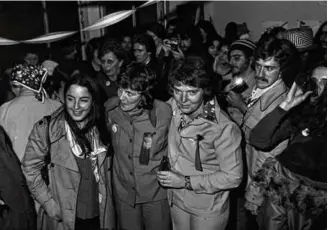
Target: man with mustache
pixel 274 58
pixel 240 59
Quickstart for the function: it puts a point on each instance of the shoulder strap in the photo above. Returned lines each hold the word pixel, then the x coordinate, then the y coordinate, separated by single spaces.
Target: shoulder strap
pixel 48 157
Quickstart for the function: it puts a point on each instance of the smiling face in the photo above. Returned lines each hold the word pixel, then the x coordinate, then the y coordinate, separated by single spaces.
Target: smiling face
pixel 78 102
pixel 129 99
pixel 213 49
pixel 189 99
pixel 267 72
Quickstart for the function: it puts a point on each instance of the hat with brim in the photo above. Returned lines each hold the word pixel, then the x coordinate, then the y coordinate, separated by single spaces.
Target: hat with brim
pixel 302 38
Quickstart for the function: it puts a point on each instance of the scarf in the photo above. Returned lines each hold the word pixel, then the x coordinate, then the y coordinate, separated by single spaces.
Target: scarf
pixel 31 77
pixel 96 146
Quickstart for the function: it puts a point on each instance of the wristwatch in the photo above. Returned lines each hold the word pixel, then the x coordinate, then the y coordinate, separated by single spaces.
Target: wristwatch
pixel 188 183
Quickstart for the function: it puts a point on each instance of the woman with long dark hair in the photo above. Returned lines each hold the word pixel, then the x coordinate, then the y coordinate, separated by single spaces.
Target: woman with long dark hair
pixel 77 194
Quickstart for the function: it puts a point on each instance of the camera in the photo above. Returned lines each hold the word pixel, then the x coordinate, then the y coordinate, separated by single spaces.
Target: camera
pixel 173 44
pixel 306 83
pixel 239 85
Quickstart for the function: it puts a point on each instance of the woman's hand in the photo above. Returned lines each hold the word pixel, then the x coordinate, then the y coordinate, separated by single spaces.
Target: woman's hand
pixel 171 179
pixel 294 97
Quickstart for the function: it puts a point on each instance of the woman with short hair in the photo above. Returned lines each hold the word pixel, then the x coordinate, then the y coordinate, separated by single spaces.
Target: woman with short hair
pixel 139 127
pixel 204 152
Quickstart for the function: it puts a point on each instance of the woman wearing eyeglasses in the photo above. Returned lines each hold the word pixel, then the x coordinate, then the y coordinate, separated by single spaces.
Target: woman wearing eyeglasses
pixel 139 128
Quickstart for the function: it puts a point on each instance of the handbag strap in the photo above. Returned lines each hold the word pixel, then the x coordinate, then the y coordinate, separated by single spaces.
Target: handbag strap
pixel 48 156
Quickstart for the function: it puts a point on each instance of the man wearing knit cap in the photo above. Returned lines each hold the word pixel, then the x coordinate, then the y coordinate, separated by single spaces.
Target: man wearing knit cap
pixel 240 58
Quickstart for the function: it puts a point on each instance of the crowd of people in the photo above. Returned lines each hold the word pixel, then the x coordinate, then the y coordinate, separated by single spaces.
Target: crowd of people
pixel 168 128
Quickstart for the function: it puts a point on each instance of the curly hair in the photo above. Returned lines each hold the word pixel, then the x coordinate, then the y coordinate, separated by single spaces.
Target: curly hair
pixel 147 41
pixel 137 76
pixel 114 46
pixel 193 72
pixel 96 117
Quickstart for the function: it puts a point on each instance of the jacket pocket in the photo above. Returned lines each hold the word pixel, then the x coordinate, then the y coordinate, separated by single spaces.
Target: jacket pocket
pixel 198 201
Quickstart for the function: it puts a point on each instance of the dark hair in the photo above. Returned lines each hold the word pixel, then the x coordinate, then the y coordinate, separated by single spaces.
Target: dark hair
pixel 211 38
pixel 112 45
pixel 96 115
pixel 224 42
pixel 318 34
pixel 92 45
pixel 139 77
pixel 147 41
pixel 208 27
pixel 311 115
pixel 285 53
pixel 193 72
pixel 231 32
pixel 158 30
pixel 192 33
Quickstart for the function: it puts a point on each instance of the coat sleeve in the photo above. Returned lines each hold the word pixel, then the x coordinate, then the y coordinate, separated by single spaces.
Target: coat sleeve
pixel 34 160
pixel 271 130
pixel 230 168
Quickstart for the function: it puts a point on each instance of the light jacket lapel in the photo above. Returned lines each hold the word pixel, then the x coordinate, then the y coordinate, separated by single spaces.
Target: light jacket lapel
pixel 60 146
pixel 273 94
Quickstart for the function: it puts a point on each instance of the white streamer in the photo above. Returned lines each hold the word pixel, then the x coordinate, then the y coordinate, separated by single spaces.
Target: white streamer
pixel 55 36
pixel 51 37
pixel 109 20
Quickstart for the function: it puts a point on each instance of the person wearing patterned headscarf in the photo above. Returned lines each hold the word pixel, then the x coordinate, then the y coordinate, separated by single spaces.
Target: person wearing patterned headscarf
pixel 18 116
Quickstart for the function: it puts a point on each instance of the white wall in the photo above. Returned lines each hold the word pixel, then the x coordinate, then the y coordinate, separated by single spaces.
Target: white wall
pixel 256 12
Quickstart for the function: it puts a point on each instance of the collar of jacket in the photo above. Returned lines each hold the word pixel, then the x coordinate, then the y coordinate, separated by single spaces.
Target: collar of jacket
pixel 56 132
pixel 113 103
pixel 204 117
pixel 270 96
pixel 57 125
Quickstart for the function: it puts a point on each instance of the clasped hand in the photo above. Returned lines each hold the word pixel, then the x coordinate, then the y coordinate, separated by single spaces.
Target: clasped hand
pixel 170 179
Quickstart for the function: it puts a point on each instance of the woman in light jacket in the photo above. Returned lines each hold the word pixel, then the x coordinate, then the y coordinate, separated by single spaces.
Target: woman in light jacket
pixel 204 152
pixel 78 195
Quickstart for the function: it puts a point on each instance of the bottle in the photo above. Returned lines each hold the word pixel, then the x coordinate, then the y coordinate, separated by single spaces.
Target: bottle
pixel 165 164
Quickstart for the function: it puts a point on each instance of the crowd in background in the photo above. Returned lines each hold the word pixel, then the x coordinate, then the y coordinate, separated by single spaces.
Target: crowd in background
pixel 168 128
